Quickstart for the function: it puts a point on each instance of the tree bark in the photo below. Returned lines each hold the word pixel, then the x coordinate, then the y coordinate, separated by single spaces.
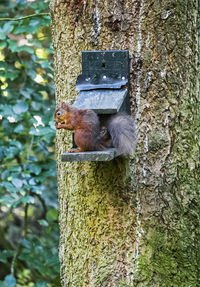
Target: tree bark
pixel 133 221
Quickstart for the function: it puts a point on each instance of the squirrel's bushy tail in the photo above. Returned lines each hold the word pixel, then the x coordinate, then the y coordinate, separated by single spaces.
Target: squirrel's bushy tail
pixel 123 133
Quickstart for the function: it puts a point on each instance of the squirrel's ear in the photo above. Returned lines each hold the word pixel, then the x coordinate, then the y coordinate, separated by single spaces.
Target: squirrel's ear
pixel 65 106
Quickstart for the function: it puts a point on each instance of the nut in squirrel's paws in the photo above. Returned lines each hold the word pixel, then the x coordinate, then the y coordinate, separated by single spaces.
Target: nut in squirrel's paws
pixel 58 125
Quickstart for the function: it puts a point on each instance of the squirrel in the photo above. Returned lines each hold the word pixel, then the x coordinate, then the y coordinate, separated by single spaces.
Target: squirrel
pixel 119 131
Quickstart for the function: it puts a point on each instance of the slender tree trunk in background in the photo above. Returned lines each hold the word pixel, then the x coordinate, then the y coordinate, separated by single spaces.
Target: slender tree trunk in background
pixel 133 221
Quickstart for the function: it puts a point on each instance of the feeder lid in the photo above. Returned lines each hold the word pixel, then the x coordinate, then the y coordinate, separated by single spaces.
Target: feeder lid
pixel 104 101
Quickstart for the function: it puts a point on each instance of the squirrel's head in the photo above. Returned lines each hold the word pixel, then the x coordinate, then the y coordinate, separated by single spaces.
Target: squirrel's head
pixel 61 112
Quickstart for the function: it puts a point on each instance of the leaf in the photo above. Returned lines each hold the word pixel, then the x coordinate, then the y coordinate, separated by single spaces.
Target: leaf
pixel 13 45
pixel 39 6
pixel 2 44
pixel 5 254
pixel 21 1
pixel 52 125
pixel 21 29
pixel 16 168
pixel 9 187
pixel 25 49
pixel 42 131
pixel 3 257
pixel 7 27
pixel 25 199
pixel 53 260
pixel 19 128
pixel 34 168
pixel 26 93
pixel 3 65
pixel 11 151
pixel 7 200
pixel 36 106
pixel 17 182
pixel 10 281
pixel 16 144
pixel 2 36
pixel 26 243
pixel 6 110
pixel 28 199
pixel 34 22
pixel 4 174
pixel 52 214
pixel 32 74
pixel 32 181
pixel 30 28
pixel 40 284
pixel 12 74
pixel 43 222
pixel 32 158
pixel 20 107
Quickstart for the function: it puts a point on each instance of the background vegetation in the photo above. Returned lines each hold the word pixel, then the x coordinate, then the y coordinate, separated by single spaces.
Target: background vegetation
pixel 28 200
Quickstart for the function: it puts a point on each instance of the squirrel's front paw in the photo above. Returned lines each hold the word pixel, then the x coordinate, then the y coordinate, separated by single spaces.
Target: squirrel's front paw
pixel 72 150
pixel 58 125
pixel 75 150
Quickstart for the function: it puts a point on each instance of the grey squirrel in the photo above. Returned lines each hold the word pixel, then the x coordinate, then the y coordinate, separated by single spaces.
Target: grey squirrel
pixel 119 131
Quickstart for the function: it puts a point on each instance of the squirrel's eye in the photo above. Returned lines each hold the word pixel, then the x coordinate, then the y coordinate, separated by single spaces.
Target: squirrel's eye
pixel 58 113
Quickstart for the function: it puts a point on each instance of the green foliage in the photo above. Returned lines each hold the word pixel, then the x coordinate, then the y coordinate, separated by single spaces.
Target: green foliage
pixel 28 204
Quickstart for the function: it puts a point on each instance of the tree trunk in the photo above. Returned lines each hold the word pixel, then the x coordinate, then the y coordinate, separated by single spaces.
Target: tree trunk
pixel 133 221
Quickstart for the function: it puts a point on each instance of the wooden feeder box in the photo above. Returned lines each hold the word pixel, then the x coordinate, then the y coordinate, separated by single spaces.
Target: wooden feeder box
pixel 104 88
